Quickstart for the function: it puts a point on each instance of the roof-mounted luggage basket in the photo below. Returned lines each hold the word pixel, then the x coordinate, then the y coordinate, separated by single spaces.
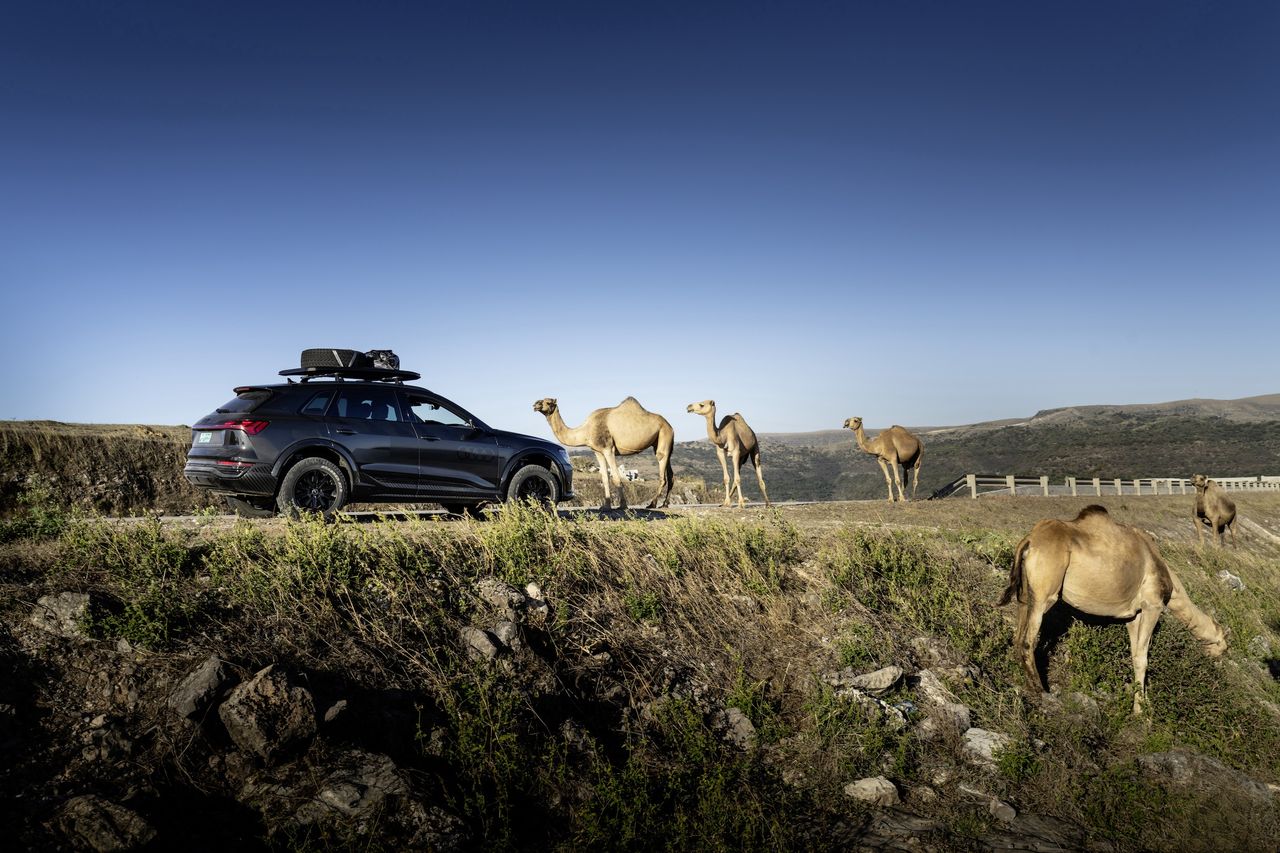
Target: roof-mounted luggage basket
pixel 362 374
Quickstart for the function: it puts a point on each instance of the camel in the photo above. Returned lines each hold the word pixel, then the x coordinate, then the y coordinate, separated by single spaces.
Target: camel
pixel 1105 569
pixel 1213 509
pixel 623 430
pixel 738 440
pixel 891 448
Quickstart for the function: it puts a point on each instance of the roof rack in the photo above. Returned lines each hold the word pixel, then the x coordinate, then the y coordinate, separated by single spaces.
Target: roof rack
pixel 363 374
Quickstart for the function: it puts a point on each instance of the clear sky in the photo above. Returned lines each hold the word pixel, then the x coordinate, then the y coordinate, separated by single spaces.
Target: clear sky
pixel 916 212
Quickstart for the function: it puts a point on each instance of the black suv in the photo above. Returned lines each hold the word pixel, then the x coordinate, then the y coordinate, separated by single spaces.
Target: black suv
pixel 364 436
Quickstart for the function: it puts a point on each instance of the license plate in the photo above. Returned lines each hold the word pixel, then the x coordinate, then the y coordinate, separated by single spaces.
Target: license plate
pixel 204 437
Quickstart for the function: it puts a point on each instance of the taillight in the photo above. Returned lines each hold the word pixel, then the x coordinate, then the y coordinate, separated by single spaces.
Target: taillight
pixel 235 463
pixel 249 426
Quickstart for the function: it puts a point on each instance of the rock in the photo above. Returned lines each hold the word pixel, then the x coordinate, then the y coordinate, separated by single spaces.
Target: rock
pixel 63 614
pixel 1260 646
pixel 481 645
pixel 499 594
pixel 895 830
pixel 981 746
pixel 533 591
pixel 1190 770
pixel 196 692
pixel 932 688
pixel 740 731
pixel 269 715
pixel 335 711
pixel 1002 811
pixel 875 684
pixel 1231 580
pixel 1041 834
pixel 357 788
pixel 947 717
pixel 876 790
pixel 93 822
pixel 507 633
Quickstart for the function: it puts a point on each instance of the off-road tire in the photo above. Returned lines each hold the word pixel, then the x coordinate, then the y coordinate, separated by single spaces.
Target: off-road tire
pixel 335 358
pixel 251 507
pixel 533 482
pixel 314 485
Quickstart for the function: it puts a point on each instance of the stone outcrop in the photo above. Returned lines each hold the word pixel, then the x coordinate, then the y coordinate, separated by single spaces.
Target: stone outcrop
pixel 269 715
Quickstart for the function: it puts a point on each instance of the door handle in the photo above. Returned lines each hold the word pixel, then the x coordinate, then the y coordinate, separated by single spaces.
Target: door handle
pixel 345 431
pixel 429 438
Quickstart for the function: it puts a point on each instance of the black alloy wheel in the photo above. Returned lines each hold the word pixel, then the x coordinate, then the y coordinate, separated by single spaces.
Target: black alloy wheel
pixel 315 491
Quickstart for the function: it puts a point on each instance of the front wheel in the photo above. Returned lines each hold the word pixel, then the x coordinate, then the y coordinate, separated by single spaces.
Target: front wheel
pixel 314 485
pixel 534 483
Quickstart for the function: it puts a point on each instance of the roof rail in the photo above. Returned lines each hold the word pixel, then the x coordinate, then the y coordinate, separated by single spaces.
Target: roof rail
pixel 362 374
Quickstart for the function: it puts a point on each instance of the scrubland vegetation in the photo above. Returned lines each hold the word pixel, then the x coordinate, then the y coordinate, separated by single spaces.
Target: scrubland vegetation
pixel 605 717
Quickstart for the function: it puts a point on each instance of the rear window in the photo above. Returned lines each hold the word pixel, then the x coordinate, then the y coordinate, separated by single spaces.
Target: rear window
pixel 244 402
pixel 317 404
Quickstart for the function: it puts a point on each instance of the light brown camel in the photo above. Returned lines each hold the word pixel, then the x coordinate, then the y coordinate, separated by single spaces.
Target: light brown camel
pixel 891 448
pixel 1213 509
pixel 1105 569
pixel 622 430
pixel 735 438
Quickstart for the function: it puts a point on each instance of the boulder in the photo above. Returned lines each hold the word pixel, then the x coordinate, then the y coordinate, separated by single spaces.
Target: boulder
pixel 874 684
pixel 499 594
pixel 358 788
pixel 1192 771
pixel 480 645
pixel 1001 811
pixel 63 614
pixel 947 717
pixel 875 790
pixel 195 693
pixel 981 746
pixel 1233 581
pixel 932 689
pixel 90 821
pixel 739 730
pixel 269 715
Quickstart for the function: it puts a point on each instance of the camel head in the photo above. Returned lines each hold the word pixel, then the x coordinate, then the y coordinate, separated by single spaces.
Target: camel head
pixel 853 423
pixel 1200 481
pixel 545 406
pixel 706 407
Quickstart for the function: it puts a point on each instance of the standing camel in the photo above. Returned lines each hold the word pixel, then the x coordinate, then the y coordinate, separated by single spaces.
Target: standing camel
pixel 739 441
pixel 1213 509
pixel 625 429
pixel 891 448
pixel 1105 569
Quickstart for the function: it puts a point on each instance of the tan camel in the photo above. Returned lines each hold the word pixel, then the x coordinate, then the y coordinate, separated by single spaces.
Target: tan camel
pixel 623 430
pixel 736 439
pixel 1104 569
pixel 891 448
pixel 1213 509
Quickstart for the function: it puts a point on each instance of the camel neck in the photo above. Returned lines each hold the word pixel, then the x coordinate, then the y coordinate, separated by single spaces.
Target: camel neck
pixel 712 433
pixel 561 431
pixel 861 437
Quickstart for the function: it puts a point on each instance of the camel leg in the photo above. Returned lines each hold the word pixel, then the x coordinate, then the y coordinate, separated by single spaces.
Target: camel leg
pixel 737 475
pixel 604 479
pixel 1199 529
pixel 663 497
pixel 1140 630
pixel 897 478
pixel 616 476
pixel 1030 617
pixel 755 461
pixel 887 480
pixel 724 469
pixel 1232 528
pixel 915 482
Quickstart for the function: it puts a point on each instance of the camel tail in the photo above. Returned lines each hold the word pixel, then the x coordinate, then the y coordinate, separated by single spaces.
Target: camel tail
pixel 1015 575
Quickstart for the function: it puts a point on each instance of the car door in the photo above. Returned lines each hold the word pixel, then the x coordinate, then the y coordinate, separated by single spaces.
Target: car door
pixel 371 424
pixel 455 457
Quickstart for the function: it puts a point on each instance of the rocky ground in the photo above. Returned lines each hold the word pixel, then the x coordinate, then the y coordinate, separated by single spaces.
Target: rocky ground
pixel 825 678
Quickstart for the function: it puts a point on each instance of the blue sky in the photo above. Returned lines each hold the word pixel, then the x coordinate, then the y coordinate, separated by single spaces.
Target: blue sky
pixel 921 213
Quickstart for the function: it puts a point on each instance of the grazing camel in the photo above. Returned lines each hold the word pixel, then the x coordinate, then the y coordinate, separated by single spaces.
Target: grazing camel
pixel 891 448
pixel 1104 569
pixel 1213 509
pixel 622 430
pixel 739 441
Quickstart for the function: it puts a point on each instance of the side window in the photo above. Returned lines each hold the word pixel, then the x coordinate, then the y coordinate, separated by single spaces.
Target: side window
pixel 317 404
pixel 428 411
pixel 367 404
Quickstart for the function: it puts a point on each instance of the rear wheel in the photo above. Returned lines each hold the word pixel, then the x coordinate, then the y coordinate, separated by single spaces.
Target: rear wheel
pixel 534 483
pixel 251 507
pixel 314 485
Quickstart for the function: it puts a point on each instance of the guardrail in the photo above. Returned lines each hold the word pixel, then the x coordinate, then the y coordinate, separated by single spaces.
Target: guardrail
pixel 977 485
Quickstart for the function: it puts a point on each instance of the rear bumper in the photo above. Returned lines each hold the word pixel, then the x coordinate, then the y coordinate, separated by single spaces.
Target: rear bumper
pixel 223 479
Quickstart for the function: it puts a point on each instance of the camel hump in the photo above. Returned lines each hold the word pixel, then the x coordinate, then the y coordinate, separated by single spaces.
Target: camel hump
pixel 1092 509
pixel 630 401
